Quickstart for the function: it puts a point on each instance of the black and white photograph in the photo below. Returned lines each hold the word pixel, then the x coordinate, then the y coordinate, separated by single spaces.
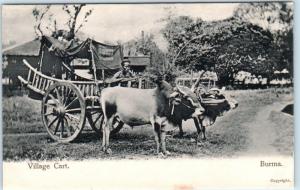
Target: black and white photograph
pixel 178 95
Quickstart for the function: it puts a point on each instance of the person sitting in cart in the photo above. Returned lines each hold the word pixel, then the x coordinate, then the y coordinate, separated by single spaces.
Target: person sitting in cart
pixel 125 71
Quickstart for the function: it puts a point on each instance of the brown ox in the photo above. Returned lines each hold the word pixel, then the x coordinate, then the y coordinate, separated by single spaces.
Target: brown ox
pixel 215 103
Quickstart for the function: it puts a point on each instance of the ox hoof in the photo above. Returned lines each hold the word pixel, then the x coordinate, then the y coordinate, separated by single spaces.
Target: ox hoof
pixel 162 155
pixel 167 153
pixel 108 151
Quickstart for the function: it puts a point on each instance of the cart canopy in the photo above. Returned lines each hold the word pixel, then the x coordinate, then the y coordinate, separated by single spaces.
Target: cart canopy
pixel 101 56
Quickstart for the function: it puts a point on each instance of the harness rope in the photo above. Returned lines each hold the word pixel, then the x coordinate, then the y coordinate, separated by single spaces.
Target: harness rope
pixel 173 106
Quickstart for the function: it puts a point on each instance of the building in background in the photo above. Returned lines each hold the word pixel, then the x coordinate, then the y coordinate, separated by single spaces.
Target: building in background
pixel 138 64
pixel 13 61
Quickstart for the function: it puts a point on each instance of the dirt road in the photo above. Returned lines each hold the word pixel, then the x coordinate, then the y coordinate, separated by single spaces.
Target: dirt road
pixel 262 126
pixel 261 132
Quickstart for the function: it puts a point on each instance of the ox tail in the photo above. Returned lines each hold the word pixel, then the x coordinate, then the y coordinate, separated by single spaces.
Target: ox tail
pixel 103 107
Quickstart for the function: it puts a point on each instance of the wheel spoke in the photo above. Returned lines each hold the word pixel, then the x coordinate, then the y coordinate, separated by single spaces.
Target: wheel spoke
pixel 50 113
pixel 67 118
pixel 72 116
pixel 57 126
pixel 62 129
pixel 67 127
pixel 62 94
pixel 53 98
pixel 73 110
pixel 53 121
pixel 68 96
pixel 50 105
pixel 58 95
pixel 71 103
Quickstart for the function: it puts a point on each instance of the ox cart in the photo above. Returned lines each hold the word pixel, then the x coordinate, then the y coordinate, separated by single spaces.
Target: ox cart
pixel 69 99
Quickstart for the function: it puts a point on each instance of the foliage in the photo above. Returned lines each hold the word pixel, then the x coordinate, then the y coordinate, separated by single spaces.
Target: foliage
pixel 236 43
pixel 284 44
pixel 268 14
pixel 46 23
pixel 175 32
pixel 73 12
pixel 228 45
pixel 278 18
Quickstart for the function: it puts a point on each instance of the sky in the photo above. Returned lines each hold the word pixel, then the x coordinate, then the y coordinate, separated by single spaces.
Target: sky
pixel 112 22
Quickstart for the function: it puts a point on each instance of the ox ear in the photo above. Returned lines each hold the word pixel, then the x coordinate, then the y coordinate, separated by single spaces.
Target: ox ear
pixel 176 101
pixel 174 95
pixel 181 91
pixel 223 90
pixel 194 104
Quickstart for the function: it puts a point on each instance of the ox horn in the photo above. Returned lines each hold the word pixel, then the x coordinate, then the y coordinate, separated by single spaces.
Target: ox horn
pixel 196 84
pixel 180 90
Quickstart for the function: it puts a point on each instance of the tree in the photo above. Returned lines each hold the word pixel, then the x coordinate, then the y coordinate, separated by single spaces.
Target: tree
pixel 39 13
pixel 267 14
pixel 176 33
pixel 278 18
pixel 73 11
pixel 229 46
pixel 47 24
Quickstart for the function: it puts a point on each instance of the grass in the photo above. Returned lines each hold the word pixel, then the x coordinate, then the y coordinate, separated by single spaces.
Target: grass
pixel 226 138
pixel 21 115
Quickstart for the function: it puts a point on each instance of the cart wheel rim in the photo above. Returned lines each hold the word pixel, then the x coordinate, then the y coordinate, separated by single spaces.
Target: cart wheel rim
pixel 63 111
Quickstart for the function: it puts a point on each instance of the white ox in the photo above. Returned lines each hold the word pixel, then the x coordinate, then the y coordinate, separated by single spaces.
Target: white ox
pixel 144 106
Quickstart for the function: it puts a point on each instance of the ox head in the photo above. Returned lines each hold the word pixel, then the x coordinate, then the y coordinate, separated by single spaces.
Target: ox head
pixel 181 99
pixel 218 101
pixel 215 101
pixel 222 93
pixel 187 103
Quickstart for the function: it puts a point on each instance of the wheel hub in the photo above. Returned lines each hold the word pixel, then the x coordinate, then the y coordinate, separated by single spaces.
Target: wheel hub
pixel 59 110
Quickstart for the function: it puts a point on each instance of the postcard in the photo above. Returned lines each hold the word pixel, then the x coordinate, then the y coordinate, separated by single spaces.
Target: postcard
pixel 177 96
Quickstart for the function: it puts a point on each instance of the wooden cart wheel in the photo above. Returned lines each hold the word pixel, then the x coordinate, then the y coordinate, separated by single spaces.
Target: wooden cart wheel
pixel 95 119
pixel 63 111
